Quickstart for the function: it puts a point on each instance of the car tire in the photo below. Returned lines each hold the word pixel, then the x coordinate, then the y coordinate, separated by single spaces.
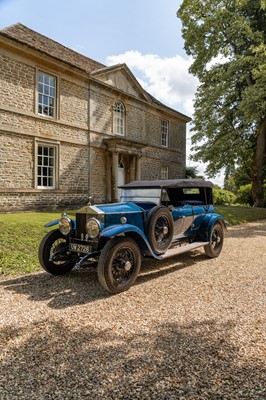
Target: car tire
pixel 159 229
pixel 214 248
pixel 119 264
pixel 54 242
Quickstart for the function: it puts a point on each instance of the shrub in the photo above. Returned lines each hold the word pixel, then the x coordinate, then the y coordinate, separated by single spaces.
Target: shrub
pixel 244 195
pixel 223 197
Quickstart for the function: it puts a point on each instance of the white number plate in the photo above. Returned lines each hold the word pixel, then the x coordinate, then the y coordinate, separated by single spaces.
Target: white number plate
pixel 80 248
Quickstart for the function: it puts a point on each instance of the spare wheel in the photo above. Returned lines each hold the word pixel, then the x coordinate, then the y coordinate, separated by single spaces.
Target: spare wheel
pixel 159 229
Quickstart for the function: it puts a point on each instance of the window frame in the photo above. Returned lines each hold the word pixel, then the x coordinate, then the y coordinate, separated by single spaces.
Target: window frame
pixel 164 171
pixel 55 97
pixel 55 175
pixel 164 133
pixel 122 119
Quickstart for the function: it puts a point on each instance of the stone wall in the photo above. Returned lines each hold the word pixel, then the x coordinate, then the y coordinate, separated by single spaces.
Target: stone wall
pixel 84 120
pixel 16 161
pixel 41 200
pixel 17 82
pixel 98 174
pixel 21 128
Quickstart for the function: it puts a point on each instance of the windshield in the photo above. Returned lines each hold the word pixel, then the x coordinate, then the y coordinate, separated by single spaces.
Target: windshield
pixel 141 194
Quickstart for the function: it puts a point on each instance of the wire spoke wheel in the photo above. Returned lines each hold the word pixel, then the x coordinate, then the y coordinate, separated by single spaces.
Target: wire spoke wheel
pixel 119 264
pixel 216 238
pixel 159 229
pixel 214 248
pixel 162 230
pixel 54 254
pixel 123 265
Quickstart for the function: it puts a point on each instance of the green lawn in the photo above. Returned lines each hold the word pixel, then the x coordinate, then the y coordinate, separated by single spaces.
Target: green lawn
pixel 21 233
pixel 239 215
pixel 20 236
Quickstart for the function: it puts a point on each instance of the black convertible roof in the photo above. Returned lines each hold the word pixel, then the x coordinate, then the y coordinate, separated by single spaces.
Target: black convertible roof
pixel 169 183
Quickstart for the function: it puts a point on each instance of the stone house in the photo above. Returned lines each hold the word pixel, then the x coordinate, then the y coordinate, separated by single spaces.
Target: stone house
pixel 71 127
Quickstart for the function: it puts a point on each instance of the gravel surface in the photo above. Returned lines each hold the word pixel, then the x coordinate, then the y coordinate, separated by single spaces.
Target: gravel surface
pixel 190 328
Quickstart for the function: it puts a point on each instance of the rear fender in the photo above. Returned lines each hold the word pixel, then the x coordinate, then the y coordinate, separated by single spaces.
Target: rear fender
pixel 208 223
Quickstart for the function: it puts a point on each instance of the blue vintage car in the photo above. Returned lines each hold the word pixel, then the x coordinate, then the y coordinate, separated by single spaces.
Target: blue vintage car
pixel 156 219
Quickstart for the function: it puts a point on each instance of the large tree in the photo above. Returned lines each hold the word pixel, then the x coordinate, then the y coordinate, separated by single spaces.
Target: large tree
pixel 227 41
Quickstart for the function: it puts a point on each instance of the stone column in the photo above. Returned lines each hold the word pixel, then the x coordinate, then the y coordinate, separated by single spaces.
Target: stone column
pixel 132 169
pixel 138 169
pixel 109 177
pixel 115 177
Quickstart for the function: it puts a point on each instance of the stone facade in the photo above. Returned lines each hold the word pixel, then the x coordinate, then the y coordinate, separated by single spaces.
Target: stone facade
pixel 88 156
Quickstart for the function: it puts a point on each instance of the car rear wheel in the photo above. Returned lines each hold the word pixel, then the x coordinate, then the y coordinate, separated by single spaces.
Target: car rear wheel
pixel 54 254
pixel 119 264
pixel 160 229
pixel 214 248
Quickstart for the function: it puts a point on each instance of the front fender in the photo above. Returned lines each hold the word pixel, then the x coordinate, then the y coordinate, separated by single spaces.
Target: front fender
pixel 208 224
pixel 56 222
pixel 135 233
pixel 52 223
pixel 117 230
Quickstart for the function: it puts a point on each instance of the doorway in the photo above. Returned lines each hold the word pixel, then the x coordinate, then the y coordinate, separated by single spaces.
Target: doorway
pixel 120 175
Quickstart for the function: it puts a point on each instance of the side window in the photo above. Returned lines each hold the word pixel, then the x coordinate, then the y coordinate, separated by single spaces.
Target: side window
pixel 164 133
pixel 47 166
pixel 119 118
pixel 164 172
pixel 47 85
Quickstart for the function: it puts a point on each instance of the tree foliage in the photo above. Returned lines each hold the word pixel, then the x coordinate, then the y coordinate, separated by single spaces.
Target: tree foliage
pixel 227 41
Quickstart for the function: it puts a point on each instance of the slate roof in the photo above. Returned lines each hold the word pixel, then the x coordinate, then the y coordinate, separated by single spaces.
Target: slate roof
pixel 26 36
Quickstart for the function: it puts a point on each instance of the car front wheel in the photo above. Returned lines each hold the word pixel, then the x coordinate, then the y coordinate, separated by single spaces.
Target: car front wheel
pixel 54 254
pixel 119 264
pixel 214 248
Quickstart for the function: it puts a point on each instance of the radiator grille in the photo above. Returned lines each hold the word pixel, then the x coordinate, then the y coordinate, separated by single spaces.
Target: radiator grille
pixel 81 220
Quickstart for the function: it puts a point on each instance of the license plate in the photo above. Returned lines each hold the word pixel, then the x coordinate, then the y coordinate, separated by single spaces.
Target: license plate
pixel 80 248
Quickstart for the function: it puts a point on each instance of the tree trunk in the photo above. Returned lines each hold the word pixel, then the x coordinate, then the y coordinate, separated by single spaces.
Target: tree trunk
pixel 257 181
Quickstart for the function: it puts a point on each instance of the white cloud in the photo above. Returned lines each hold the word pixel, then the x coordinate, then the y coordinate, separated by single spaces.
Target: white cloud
pixel 167 79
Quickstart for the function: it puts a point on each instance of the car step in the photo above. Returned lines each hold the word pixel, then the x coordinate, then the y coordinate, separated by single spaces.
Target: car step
pixel 182 249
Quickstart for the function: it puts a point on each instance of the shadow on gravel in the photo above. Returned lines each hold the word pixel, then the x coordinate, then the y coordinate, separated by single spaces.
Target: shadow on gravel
pixel 254 229
pixel 49 360
pixel 153 269
pixel 77 287
pixel 82 286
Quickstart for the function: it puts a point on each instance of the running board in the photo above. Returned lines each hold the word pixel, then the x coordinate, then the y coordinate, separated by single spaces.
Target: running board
pixel 182 249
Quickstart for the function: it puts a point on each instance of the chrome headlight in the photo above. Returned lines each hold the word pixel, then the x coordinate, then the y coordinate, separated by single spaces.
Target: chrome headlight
pixel 93 228
pixel 65 225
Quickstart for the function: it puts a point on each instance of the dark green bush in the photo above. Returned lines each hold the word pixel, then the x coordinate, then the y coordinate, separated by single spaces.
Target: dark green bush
pixel 223 197
pixel 244 195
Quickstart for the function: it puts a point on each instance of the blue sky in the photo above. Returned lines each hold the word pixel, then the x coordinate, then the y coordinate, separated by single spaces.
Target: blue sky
pixel 145 34
pixel 101 28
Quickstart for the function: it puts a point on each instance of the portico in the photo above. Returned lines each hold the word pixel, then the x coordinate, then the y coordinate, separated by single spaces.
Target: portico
pixel 123 163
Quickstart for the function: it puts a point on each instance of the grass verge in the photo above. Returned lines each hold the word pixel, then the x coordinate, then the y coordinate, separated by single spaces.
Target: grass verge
pixel 239 215
pixel 21 233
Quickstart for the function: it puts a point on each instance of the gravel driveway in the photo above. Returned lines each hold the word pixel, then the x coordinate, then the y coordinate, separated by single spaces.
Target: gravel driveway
pixel 190 328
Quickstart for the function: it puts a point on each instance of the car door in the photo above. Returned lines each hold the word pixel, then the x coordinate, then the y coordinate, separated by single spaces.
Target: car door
pixel 183 219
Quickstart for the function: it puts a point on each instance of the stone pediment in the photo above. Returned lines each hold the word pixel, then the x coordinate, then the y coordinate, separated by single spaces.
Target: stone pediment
pixel 120 77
